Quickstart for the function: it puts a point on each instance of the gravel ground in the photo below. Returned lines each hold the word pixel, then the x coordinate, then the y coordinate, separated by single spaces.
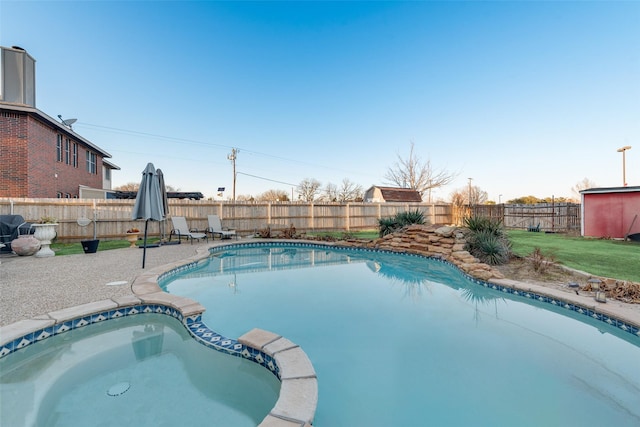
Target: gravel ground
pixel 31 286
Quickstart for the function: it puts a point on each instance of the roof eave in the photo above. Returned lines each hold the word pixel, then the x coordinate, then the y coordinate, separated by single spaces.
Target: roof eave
pixel 50 120
pixel 632 189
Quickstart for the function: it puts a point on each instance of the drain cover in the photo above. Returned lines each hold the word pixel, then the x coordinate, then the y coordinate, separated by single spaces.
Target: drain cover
pixel 118 389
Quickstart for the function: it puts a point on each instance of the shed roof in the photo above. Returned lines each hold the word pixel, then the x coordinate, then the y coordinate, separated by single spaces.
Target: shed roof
pixel 393 194
pixel 610 190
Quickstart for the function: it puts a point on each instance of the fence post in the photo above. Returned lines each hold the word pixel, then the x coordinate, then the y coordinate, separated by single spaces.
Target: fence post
pixel 311 218
pixel 347 216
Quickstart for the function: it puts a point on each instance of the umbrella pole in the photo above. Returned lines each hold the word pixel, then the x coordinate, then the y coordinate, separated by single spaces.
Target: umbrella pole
pixel 144 248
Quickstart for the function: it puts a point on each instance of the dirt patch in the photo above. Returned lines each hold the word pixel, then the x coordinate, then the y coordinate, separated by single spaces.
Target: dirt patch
pixel 555 276
pixel 523 270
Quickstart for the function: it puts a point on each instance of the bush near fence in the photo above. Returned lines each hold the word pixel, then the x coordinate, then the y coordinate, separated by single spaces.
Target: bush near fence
pixel 114 216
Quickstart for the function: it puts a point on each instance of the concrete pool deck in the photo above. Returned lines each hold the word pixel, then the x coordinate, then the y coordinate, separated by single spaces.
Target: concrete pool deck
pixel 36 290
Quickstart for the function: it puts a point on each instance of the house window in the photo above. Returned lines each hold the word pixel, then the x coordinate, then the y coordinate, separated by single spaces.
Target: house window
pixel 59 195
pixel 59 148
pixel 91 162
pixel 67 151
pixel 107 174
pixel 75 155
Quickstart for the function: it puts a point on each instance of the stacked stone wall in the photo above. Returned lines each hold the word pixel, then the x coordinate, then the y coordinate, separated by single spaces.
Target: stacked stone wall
pixel 444 242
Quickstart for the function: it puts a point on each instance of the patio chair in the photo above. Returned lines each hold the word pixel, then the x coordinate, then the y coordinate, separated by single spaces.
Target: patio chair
pixel 181 230
pixel 534 229
pixel 215 227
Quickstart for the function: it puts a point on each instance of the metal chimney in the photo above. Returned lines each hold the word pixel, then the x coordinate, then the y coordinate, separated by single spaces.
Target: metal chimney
pixel 17 76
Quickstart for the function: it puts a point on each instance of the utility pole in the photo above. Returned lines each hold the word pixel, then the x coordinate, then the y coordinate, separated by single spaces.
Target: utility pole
pixel 624 174
pixel 233 157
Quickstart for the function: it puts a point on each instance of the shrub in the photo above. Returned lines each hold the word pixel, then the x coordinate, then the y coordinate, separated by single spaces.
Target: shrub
pixel 265 233
pixel 487 240
pixel 387 226
pixel 399 220
pixel 480 223
pixel 540 262
pixel 289 233
pixel 489 247
pixel 346 235
pixel 410 217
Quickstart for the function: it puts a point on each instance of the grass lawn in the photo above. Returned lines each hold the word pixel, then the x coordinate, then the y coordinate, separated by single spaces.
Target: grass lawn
pixel 104 245
pixel 606 258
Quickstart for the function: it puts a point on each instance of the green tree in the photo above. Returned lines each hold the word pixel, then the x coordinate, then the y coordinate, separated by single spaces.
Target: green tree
pixel 525 200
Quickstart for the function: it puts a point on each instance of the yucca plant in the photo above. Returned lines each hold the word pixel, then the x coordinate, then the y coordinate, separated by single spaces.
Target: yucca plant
pixel 480 223
pixel 410 217
pixel 489 247
pixel 399 220
pixel 487 240
pixel 387 226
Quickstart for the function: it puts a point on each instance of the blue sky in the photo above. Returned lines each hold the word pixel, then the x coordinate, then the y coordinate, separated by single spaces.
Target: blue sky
pixel 526 98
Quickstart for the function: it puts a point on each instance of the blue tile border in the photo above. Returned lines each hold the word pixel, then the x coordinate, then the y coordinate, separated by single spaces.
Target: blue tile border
pixel 197 329
pixel 557 302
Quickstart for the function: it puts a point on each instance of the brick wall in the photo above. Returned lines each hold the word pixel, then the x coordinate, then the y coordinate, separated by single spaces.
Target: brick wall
pixel 29 160
pixel 13 151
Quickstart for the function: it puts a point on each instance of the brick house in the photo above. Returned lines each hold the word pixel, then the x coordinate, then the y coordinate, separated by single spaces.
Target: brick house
pixel 392 194
pixel 40 156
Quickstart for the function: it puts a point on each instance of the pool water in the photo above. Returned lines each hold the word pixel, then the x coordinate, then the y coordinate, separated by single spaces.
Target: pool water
pixel 402 340
pixel 142 370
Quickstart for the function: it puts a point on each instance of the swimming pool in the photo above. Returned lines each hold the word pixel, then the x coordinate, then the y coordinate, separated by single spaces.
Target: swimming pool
pixel 143 370
pixel 403 340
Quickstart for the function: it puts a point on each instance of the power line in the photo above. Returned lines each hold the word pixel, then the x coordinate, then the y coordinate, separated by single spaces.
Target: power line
pixel 266 179
pixel 210 144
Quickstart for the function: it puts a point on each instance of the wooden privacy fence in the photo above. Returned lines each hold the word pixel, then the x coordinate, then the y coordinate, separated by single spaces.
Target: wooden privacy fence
pixel 113 217
pixel 558 217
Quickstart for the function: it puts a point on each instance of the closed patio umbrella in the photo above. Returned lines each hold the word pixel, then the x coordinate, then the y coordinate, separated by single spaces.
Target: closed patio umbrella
pixel 148 204
pixel 165 201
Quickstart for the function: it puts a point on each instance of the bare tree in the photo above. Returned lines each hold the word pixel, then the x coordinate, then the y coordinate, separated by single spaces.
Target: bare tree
pixel 308 189
pixel 129 186
pixel 469 196
pixel 330 193
pixel 133 186
pixel 417 175
pixel 273 196
pixel 582 185
pixel 349 191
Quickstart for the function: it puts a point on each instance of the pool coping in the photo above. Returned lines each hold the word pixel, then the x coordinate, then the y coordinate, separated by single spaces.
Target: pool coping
pixel 297 402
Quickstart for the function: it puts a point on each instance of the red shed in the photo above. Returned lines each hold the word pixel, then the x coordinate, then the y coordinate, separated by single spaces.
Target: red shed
pixel 610 212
